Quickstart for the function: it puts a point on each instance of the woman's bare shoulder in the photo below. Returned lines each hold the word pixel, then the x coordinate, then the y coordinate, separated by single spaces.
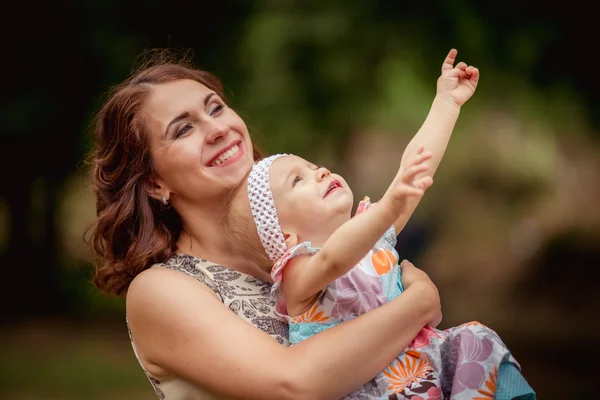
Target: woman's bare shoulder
pixel 164 288
pixel 162 280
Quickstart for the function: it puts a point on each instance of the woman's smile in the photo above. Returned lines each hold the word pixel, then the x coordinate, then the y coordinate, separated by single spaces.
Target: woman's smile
pixel 227 156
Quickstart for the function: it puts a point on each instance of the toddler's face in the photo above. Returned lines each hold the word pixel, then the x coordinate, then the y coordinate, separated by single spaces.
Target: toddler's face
pixel 310 201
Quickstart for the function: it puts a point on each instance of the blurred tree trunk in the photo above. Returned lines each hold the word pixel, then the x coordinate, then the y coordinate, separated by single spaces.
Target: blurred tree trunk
pixel 30 265
pixel 48 93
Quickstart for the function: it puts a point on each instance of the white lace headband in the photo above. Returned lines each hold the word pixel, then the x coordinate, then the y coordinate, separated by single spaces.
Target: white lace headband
pixel 263 208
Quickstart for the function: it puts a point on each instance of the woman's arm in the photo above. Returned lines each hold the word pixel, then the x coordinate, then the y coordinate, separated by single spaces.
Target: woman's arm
pixel 179 326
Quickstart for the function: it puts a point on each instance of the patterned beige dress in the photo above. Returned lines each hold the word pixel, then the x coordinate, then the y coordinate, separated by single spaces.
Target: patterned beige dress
pixel 245 295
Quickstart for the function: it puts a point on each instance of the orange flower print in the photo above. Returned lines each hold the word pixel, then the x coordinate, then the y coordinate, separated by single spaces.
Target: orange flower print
pixel 405 374
pixel 311 316
pixel 383 260
pixel 474 323
pixel 363 205
pixel 491 386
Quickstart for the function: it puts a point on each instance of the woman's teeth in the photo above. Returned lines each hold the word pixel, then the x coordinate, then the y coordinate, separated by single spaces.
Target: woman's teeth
pixel 226 156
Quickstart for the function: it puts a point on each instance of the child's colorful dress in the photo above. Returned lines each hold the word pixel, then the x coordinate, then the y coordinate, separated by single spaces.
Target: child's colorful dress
pixel 465 362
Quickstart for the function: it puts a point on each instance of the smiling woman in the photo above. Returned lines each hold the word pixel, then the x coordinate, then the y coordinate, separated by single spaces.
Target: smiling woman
pixel 192 150
pixel 169 151
pixel 147 149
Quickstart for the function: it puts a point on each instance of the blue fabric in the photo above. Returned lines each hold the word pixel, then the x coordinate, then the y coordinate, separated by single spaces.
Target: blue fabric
pixel 511 385
pixel 392 283
pixel 299 332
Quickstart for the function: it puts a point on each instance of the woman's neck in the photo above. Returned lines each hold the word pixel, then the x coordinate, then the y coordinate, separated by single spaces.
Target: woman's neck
pixel 205 236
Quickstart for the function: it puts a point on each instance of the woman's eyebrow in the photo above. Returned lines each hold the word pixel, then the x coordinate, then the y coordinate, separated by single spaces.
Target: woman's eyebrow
pixel 186 114
pixel 178 118
pixel 208 97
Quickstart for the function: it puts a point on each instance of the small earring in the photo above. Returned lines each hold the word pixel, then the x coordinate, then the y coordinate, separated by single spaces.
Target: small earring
pixel 165 201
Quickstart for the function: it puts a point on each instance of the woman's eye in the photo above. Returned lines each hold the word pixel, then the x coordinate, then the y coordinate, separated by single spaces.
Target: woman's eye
pixel 296 180
pixel 217 109
pixel 183 129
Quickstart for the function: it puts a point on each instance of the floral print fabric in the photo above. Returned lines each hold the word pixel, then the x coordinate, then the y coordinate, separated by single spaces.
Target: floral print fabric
pixel 456 363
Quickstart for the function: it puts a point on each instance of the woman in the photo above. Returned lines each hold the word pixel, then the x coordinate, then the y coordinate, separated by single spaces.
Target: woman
pixel 168 151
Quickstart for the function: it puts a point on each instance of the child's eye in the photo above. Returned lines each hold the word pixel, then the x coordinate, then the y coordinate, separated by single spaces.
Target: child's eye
pixel 296 180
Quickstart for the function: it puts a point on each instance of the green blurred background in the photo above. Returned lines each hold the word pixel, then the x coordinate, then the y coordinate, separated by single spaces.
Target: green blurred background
pixel 510 231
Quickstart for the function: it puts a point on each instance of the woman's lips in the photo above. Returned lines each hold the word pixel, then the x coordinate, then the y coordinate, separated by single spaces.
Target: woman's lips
pixel 227 156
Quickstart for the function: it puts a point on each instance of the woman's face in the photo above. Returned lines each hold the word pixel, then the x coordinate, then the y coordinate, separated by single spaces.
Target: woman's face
pixel 200 147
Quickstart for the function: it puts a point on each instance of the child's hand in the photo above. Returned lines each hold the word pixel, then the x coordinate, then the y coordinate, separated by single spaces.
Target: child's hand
pixel 457 84
pixel 406 183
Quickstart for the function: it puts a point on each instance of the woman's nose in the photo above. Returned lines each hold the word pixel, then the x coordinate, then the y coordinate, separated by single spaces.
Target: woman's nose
pixel 322 173
pixel 215 130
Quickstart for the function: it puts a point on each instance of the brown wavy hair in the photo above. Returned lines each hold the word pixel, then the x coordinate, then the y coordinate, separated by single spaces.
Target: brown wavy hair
pixel 132 231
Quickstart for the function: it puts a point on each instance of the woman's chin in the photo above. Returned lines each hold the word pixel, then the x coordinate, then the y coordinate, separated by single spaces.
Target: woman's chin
pixel 232 175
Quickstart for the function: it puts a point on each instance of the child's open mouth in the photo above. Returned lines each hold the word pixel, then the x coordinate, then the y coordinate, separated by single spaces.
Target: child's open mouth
pixel 334 185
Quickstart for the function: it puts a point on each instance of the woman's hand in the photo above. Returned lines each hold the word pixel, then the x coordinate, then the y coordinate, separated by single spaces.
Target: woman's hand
pixel 411 275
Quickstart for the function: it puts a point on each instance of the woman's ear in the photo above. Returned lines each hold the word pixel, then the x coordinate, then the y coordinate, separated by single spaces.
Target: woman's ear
pixel 156 189
pixel 291 239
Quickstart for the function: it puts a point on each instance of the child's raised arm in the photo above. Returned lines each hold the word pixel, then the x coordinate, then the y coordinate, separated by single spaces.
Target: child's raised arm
pixel 305 276
pixel 455 86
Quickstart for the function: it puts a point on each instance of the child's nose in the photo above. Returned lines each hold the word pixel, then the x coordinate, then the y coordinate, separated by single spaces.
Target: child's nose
pixel 322 173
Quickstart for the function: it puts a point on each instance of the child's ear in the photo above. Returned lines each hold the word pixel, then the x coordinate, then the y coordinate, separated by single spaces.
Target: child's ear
pixel 291 239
